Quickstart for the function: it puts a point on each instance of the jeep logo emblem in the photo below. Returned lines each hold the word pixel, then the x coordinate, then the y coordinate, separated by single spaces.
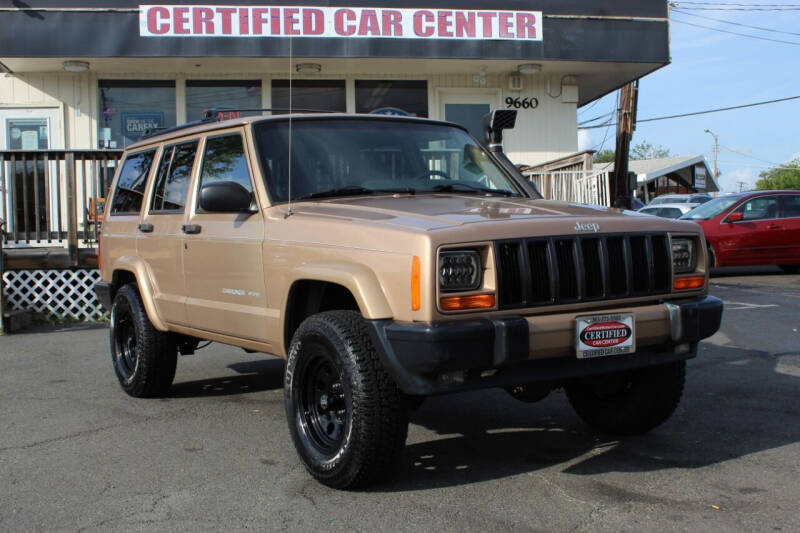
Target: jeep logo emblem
pixel 584 226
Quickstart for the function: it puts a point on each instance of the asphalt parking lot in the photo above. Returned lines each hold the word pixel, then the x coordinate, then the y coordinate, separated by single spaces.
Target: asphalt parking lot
pixel 77 454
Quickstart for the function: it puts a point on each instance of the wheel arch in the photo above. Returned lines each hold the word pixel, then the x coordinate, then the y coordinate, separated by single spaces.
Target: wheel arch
pixel 131 270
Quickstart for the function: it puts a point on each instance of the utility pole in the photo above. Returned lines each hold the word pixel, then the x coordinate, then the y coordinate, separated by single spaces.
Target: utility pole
pixel 716 152
pixel 626 125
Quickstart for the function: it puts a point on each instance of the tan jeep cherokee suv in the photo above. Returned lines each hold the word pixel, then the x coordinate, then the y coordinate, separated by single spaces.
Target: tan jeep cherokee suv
pixel 389 259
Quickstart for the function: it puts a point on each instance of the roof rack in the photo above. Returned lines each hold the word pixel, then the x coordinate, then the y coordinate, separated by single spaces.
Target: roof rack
pixel 213 115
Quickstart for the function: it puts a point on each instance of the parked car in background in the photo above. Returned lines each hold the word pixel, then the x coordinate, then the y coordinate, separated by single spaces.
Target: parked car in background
pixel 667 210
pixel 695 198
pixel 754 228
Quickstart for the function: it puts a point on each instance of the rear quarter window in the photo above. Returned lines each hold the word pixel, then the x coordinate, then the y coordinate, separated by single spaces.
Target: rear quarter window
pixel 131 184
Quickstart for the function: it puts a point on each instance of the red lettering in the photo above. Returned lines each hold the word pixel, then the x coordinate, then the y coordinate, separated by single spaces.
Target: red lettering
pixel 290 21
pixel 244 21
pixel 506 24
pixel 226 13
pixel 343 22
pixel 203 20
pixel 369 23
pixel 526 26
pixel 180 18
pixel 445 24
pixel 260 19
pixel 486 18
pixel 392 23
pixel 465 24
pixel 419 29
pixel 275 19
pixel 313 22
pixel 155 20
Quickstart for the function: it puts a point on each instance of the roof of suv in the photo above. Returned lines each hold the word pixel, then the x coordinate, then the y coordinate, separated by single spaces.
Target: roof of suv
pixel 192 128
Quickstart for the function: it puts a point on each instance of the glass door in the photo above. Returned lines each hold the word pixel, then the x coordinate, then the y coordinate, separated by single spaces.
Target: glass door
pixel 27 195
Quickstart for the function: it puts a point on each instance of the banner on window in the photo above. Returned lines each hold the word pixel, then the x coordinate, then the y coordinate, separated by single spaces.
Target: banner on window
pixel 338 22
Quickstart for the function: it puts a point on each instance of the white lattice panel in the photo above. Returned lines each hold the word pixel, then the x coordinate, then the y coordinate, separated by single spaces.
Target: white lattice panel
pixel 59 294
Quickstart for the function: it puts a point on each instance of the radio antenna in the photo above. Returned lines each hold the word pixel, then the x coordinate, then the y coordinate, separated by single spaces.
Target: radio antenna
pixel 289 167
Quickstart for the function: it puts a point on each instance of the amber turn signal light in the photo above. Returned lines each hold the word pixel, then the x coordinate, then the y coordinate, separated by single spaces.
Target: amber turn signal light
pixel 462 303
pixel 416 292
pixel 688 283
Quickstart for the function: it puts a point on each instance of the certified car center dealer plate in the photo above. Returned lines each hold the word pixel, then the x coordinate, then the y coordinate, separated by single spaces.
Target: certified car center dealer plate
pixel 602 335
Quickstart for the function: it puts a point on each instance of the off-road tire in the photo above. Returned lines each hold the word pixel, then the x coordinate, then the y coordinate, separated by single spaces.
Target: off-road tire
pixel 355 437
pixel 790 269
pixel 631 402
pixel 144 358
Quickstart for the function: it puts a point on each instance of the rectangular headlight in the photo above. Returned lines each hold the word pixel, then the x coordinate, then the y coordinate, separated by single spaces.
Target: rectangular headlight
pixel 684 256
pixel 459 270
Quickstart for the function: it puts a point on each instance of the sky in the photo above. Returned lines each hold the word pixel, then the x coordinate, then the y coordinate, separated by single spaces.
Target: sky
pixel 709 70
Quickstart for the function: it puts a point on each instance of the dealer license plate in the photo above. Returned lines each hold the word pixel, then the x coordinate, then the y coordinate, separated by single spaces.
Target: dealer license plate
pixel 602 335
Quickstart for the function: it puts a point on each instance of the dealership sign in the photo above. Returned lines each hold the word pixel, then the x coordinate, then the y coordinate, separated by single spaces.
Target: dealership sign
pixel 338 22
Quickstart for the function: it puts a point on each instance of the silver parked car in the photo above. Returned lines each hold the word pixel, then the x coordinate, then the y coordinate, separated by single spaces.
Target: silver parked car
pixel 694 198
pixel 667 210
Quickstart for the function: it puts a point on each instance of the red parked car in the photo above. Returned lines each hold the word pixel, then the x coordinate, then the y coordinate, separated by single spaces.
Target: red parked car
pixel 754 228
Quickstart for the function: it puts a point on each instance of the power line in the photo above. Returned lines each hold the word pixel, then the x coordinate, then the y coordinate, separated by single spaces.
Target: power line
pixel 706 111
pixel 748 155
pixel 726 6
pixel 734 4
pixel 597 118
pixel 735 32
pixel 735 23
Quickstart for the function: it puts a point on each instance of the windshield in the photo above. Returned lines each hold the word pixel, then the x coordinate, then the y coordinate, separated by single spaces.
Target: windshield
pixel 342 157
pixel 711 209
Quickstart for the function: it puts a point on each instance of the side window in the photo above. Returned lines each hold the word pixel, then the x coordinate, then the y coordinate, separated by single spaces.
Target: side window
pixel 174 174
pixel 132 182
pixel 224 160
pixel 791 205
pixel 762 208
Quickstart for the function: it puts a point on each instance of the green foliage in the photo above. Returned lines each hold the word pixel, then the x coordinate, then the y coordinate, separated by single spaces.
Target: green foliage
pixel 786 176
pixel 645 150
pixel 605 156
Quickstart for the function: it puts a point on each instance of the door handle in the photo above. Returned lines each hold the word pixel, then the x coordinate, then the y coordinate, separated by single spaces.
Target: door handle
pixel 145 228
pixel 191 228
pixel 774 226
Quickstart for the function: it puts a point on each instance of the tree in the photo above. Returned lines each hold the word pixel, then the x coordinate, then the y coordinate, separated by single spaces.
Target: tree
pixel 645 150
pixel 786 176
pixel 604 156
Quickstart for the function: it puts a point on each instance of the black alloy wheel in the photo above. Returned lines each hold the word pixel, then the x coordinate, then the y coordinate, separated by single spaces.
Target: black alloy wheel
pixel 124 352
pixel 323 412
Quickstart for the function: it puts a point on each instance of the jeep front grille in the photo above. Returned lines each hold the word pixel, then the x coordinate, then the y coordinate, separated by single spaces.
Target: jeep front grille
pixel 564 270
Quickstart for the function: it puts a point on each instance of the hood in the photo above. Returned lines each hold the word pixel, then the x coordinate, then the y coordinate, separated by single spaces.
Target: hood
pixel 431 212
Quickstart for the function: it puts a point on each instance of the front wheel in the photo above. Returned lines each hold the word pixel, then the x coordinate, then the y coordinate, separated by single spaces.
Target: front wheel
pixel 346 416
pixel 144 358
pixel 631 402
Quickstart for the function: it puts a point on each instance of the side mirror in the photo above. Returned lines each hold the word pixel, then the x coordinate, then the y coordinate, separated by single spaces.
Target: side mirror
pixel 735 217
pixel 225 197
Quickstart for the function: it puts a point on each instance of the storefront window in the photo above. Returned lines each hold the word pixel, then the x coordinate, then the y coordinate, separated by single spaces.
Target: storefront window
pixel 222 94
pixel 323 95
pixel 130 108
pixel 392 97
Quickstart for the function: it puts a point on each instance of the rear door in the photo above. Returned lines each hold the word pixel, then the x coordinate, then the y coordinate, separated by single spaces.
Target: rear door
pixel 223 253
pixel 756 239
pixel 160 232
pixel 790 220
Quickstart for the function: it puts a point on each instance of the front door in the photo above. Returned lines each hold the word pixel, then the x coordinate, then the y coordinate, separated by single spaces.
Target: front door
pixel 756 238
pixel 225 286
pixel 468 108
pixel 29 187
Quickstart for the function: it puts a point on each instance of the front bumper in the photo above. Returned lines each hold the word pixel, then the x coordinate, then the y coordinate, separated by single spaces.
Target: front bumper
pixel 427 359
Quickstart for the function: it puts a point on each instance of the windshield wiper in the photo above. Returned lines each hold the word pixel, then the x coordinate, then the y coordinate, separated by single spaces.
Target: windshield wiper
pixel 450 187
pixel 354 191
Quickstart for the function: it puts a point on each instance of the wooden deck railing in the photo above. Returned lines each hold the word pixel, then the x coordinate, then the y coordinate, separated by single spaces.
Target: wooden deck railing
pixel 54 198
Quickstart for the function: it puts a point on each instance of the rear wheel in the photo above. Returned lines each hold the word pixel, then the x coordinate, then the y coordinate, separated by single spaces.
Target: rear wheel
pixel 144 358
pixel 347 417
pixel 791 269
pixel 631 402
